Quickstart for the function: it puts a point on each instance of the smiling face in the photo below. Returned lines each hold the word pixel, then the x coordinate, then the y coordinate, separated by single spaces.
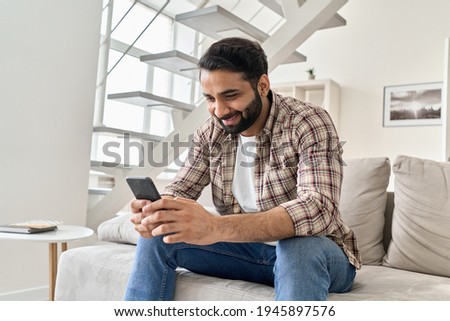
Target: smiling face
pixel 234 102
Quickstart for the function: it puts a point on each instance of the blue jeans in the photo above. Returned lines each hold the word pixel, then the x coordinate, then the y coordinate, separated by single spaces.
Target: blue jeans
pixel 300 268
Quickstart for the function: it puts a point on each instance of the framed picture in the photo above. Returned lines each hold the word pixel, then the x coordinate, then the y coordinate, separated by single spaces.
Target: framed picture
pixel 413 105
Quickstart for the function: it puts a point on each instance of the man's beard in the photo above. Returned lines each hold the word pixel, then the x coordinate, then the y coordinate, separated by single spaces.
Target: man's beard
pixel 248 116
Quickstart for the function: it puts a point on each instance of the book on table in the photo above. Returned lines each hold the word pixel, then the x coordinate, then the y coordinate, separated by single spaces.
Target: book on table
pixel 30 227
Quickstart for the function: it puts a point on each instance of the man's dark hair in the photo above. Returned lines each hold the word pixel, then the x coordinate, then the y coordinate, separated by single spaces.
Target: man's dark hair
pixel 237 55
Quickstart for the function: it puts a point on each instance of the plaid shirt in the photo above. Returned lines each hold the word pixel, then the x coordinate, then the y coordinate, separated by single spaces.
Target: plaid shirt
pixel 298 166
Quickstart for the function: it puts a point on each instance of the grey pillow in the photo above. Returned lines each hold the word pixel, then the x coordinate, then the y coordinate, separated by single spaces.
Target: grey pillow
pixel 421 221
pixel 363 203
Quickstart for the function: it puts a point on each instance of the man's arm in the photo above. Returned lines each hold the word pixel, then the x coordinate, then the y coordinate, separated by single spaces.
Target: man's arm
pixel 273 225
pixel 319 176
pixel 182 220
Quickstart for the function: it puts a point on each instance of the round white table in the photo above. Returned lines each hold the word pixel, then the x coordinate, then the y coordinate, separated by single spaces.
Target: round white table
pixel 62 235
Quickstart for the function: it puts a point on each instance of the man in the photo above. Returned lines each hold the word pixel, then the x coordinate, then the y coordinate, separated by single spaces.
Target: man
pixel 275 169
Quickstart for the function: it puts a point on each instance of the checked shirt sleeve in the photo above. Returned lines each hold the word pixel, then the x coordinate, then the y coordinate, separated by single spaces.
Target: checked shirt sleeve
pixel 319 176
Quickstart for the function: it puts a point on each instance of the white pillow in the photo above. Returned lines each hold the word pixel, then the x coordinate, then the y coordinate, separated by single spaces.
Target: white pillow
pixel 421 221
pixel 118 229
pixel 363 203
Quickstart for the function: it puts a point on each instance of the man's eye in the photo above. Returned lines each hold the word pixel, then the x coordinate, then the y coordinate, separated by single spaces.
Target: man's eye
pixel 231 96
pixel 210 99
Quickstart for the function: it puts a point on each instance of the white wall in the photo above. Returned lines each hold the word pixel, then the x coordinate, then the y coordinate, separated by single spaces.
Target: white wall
pixel 384 43
pixel 48 64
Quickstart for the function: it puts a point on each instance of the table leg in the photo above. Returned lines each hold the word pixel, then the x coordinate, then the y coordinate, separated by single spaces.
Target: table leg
pixel 53 265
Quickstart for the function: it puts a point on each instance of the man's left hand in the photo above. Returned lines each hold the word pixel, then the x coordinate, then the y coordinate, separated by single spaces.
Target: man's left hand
pixel 182 220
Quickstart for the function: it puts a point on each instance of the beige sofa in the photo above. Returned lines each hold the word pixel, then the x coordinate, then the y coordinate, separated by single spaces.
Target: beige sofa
pixel 405 249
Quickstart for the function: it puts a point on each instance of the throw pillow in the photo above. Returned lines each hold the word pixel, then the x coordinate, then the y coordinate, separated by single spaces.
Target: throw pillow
pixel 118 229
pixel 421 221
pixel 363 203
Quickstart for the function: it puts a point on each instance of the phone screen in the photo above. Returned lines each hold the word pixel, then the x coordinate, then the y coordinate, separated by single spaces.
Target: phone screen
pixel 143 188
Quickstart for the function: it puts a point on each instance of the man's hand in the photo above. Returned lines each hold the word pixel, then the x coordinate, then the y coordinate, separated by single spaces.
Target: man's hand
pixel 179 220
pixel 137 217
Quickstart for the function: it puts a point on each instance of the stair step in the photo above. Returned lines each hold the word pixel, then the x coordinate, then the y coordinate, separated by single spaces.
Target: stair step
pixel 145 99
pixel 99 165
pixel 117 132
pixel 217 23
pixel 122 47
pixel 174 61
pixel 99 190
pixel 213 21
pixel 335 21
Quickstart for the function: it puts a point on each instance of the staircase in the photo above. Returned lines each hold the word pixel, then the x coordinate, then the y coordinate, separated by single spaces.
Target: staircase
pixel 212 22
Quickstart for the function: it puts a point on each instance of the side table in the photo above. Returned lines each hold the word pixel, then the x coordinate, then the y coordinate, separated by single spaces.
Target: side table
pixel 62 235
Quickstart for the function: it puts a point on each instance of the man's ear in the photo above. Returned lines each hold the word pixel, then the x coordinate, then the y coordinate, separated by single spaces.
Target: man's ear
pixel 263 85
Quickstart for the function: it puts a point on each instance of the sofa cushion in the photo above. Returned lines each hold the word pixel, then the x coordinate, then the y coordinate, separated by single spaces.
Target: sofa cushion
pixel 363 203
pixel 421 221
pixel 100 273
pixel 119 229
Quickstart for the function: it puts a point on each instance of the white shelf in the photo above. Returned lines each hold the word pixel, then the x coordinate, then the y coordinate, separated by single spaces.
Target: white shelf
pixel 144 99
pixel 218 23
pixel 321 92
pixel 174 61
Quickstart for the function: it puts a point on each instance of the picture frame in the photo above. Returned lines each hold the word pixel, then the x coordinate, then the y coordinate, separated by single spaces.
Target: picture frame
pixel 413 105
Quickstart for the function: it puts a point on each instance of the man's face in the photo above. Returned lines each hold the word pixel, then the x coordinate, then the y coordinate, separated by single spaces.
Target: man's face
pixel 231 100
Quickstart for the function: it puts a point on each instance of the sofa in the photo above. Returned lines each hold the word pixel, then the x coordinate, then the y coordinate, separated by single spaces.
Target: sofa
pixel 403 235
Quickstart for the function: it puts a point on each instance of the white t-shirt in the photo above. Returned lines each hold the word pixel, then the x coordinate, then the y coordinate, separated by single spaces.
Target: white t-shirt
pixel 243 186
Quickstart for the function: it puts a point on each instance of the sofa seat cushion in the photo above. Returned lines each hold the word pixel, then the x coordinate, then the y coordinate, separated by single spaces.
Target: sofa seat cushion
pixel 421 219
pixel 380 283
pixel 100 272
pixel 97 272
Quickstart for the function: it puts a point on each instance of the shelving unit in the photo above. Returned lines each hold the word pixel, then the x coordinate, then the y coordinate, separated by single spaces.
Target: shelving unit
pixel 322 92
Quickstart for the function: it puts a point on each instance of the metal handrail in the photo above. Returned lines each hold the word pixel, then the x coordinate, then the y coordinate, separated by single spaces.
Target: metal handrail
pixel 139 36
pixel 123 17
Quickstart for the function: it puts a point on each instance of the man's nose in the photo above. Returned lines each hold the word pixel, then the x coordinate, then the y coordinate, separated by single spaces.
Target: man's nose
pixel 220 108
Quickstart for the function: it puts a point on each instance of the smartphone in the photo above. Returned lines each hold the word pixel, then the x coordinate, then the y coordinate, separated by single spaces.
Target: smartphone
pixel 143 188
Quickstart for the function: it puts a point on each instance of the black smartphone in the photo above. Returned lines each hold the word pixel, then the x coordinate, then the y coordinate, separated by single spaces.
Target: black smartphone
pixel 143 188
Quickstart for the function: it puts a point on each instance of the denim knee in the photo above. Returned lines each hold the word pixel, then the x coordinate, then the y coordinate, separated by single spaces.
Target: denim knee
pixel 308 268
pixel 308 248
